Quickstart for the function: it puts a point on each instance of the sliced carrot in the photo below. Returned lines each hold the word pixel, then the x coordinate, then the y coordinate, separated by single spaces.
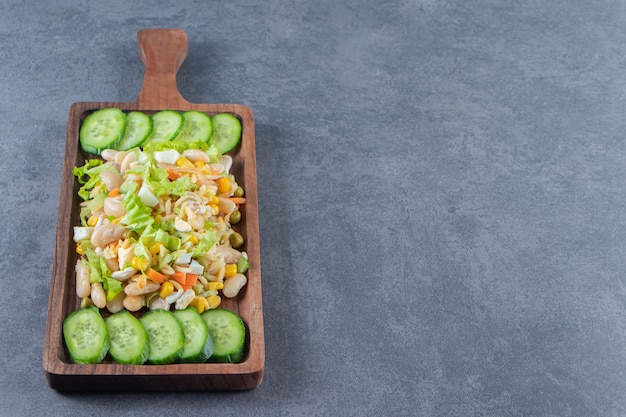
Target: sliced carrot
pixel 179 277
pixel 114 192
pixel 238 200
pixel 171 175
pixel 155 275
pixel 191 280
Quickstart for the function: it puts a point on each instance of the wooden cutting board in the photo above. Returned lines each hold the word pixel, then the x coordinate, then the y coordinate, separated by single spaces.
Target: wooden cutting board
pixel 163 52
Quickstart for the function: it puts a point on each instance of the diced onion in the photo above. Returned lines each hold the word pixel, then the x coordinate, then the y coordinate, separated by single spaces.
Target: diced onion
pixel 169 156
pixel 82 233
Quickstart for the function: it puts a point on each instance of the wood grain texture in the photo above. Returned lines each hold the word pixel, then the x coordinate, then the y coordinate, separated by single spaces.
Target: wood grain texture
pixel 162 51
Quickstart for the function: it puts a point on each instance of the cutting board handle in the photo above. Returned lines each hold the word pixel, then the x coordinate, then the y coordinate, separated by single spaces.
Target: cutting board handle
pixel 162 51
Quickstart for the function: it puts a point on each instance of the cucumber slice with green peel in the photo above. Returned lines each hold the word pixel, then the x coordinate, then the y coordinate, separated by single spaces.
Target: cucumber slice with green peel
pixel 198 339
pixel 86 336
pixel 197 126
pixel 226 132
pixel 138 128
pixel 102 129
pixel 166 124
pixel 229 333
pixel 165 332
pixel 129 341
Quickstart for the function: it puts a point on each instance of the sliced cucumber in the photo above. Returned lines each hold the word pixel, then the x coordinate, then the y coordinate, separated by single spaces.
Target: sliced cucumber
pixel 166 124
pixel 102 129
pixel 129 341
pixel 165 332
pixel 198 339
pixel 138 128
pixel 226 132
pixel 229 333
pixel 196 127
pixel 86 336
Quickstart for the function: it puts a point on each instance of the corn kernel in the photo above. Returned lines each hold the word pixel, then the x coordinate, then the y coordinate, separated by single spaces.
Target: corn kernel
pixel 214 301
pixel 214 200
pixel 199 303
pixel 223 184
pixel 139 264
pixel 156 248
pixel 199 164
pixel 215 285
pixel 166 289
pixel 230 270
pixel 184 163
pixel 215 210
pixel 79 249
pixel 93 220
pixel 194 239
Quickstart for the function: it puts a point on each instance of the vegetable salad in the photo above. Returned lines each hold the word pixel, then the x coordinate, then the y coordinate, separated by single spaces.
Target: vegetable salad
pixel 156 228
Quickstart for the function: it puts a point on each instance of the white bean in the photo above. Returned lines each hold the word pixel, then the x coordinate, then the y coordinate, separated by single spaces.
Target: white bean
pixel 98 296
pixel 233 284
pixel 109 154
pixel 195 155
pixel 83 287
pixel 226 205
pixel 117 303
pixel 119 157
pixel 231 256
pixel 107 233
pixel 111 179
pixel 127 161
pixel 134 289
pixel 112 264
pixel 113 206
pixel 133 302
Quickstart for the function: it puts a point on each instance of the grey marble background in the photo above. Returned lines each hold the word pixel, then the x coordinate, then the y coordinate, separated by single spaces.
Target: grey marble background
pixel 442 197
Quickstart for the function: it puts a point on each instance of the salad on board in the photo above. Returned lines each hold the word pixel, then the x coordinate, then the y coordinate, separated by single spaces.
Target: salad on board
pixel 156 227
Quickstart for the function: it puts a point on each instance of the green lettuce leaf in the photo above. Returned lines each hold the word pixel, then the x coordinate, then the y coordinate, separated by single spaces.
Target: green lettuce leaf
pixel 206 243
pixel 89 176
pixel 137 216
pixel 152 235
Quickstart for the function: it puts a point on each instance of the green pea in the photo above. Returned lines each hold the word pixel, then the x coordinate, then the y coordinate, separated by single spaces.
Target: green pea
pixel 235 217
pixel 239 192
pixel 236 240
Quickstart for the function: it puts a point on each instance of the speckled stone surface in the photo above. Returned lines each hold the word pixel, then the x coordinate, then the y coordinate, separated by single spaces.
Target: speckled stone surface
pixel 442 197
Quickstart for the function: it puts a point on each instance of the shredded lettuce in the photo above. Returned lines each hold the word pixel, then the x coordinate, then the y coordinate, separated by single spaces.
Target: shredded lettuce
pixel 137 216
pixel 144 214
pixel 177 187
pixel 97 200
pixel 141 251
pixel 178 145
pixel 91 170
pixel 152 235
pixel 206 243
pixel 129 187
pixel 100 272
pixel 95 275
pixel 81 172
